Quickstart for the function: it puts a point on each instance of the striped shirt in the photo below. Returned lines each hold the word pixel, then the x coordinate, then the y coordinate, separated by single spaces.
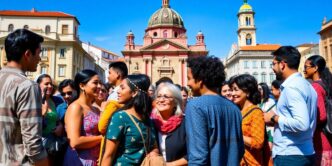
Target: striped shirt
pixel 20 119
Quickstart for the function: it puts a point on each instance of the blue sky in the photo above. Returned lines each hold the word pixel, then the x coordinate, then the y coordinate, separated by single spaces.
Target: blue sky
pixel 105 23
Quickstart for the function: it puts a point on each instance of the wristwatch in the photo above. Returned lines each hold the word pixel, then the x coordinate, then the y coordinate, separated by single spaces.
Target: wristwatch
pixel 272 118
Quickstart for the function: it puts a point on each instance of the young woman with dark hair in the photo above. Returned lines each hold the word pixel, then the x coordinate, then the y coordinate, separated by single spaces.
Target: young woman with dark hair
pixel 316 70
pixel 81 121
pixel 52 124
pixel 226 90
pixel 124 144
pixel 275 89
pixel 267 104
pixel 246 96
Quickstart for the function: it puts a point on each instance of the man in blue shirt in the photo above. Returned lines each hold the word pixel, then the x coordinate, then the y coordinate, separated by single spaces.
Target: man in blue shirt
pixel 295 119
pixel 213 123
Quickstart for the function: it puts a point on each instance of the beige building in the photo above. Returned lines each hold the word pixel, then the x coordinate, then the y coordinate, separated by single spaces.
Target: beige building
pixel 325 43
pixel 62 53
pixel 307 50
pixel 249 57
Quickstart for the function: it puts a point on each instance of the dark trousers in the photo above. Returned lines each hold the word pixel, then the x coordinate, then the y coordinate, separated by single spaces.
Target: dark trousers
pixel 294 160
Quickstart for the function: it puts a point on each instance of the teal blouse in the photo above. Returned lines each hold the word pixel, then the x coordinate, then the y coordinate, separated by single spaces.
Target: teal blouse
pixel 131 148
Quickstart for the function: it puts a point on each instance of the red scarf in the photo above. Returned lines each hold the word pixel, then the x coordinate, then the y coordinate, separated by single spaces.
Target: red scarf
pixel 166 126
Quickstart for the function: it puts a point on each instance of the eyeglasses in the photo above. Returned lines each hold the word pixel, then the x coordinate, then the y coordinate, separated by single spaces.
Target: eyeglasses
pixel 66 93
pixel 307 67
pixel 274 63
pixel 164 97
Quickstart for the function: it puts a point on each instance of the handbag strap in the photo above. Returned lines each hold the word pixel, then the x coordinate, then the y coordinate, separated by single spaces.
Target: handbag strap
pixel 270 108
pixel 140 131
pixel 249 112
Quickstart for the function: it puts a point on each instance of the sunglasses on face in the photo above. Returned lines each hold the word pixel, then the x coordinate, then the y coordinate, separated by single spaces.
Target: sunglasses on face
pixel 66 93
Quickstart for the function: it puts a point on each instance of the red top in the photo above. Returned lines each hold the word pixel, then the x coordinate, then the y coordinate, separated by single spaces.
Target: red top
pixel 321 143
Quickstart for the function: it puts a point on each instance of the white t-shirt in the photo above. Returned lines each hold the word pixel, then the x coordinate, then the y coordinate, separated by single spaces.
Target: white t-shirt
pixel 114 94
pixel 162 144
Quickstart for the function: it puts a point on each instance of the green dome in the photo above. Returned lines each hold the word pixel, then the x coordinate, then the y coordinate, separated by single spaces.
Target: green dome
pixel 245 8
pixel 165 17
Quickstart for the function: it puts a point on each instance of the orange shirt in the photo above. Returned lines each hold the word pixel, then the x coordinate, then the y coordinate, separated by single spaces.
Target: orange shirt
pixel 253 126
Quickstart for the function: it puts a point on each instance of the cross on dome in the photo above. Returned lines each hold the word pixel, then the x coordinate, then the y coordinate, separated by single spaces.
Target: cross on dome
pixel 165 3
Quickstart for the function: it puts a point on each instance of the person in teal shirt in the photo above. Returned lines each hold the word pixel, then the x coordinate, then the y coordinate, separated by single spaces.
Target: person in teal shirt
pixel 130 134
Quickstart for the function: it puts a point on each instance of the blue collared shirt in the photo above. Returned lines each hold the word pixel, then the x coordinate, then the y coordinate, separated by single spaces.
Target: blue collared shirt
pixel 297 109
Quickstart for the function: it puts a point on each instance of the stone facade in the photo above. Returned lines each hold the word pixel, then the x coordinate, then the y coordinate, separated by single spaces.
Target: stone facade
pixel 325 42
pixel 62 54
pixel 165 48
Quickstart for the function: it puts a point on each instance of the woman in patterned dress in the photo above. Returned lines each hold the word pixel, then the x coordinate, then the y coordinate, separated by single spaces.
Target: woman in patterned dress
pixel 246 96
pixel 81 122
pixel 125 145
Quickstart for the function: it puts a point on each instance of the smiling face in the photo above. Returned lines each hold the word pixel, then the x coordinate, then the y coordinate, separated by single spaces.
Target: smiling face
pixel 165 102
pixel 67 93
pixel 102 94
pixel 92 87
pixel 239 96
pixel 226 91
pixel 46 86
pixel 124 93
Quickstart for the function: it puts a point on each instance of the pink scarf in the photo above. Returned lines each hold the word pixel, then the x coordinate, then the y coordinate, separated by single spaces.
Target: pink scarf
pixel 166 126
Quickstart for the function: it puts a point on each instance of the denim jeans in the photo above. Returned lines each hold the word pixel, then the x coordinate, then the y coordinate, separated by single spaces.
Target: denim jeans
pixel 294 160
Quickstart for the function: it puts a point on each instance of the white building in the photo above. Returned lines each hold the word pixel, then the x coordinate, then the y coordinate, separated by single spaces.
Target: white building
pixel 248 57
pixel 102 56
pixel 62 53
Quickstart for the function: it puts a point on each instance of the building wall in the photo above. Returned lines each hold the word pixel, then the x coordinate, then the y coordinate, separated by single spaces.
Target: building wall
pixel 326 43
pixel 256 63
pixel 63 54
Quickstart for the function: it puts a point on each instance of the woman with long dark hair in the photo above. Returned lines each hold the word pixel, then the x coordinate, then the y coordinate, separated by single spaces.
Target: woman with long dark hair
pixel 316 70
pixel 246 96
pixel 267 104
pixel 81 121
pixel 130 134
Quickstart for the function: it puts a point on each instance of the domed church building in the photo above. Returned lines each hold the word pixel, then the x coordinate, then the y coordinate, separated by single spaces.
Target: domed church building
pixel 165 49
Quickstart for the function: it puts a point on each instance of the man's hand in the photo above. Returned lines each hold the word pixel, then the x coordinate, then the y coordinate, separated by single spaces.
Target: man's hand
pixel 268 116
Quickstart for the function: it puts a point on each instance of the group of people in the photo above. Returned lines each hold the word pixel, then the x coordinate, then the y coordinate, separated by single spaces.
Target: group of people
pixel 216 122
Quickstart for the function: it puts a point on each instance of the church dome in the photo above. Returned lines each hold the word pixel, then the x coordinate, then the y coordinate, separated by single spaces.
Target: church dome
pixel 245 7
pixel 165 17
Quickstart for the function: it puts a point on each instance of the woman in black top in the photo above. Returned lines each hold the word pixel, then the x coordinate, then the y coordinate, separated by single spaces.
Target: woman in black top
pixel 169 122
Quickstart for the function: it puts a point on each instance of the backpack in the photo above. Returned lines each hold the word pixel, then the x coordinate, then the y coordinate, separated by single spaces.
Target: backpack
pixel 327 129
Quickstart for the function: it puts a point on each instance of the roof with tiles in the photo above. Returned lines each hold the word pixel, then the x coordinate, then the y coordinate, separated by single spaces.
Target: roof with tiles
pixel 261 47
pixel 34 13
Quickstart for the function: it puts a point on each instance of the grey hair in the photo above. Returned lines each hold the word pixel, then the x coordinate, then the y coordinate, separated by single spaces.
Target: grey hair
pixel 176 94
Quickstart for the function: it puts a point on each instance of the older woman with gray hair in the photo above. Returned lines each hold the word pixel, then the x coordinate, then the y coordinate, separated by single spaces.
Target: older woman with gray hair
pixel 169 122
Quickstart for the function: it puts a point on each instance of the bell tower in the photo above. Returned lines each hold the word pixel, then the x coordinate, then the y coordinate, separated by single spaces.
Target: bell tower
pixel 246 25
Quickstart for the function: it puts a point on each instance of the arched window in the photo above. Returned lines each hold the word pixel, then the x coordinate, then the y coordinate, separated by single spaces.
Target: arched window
pixel 10 28
pixel 47 29
pixel 165 33
pixel 248 39
pixel 155 34
pixel 248 21
pixel 26 27
pixel 175 34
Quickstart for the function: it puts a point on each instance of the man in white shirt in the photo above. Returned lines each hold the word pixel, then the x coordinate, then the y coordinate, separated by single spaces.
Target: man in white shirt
pixel 118 71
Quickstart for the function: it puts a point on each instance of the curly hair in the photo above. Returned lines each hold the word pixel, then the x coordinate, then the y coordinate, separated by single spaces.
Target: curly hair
pixel 248 84
pixel 207 69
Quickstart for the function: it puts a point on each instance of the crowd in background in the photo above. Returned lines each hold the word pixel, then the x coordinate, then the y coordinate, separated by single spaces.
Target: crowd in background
pixel 211 121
